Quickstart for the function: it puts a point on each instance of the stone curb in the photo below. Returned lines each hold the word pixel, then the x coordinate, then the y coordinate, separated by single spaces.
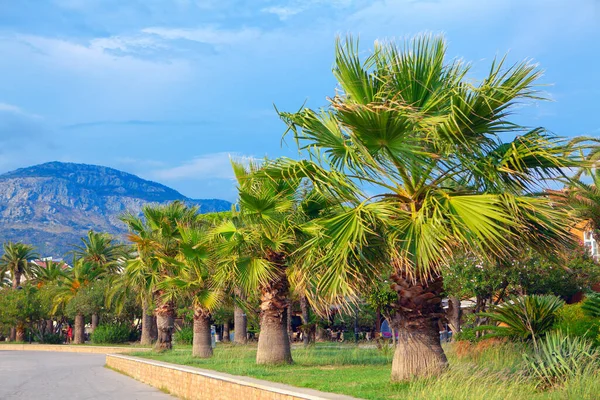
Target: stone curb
pixel 71 349
pixel 173 374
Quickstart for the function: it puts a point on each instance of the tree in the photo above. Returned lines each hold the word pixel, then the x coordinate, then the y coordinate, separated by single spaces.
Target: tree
pixel 195 280
pixel 16 261
pixel 73 295
pixel 426 141
pixel 156 237
pixel 256 250
pixel 101 250
pixel 20 308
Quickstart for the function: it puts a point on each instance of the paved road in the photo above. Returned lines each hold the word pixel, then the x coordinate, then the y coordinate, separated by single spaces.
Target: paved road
pixel 36 375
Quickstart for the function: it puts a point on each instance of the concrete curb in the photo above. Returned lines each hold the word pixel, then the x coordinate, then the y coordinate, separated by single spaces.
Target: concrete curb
pixel 196 383
pixel 71 349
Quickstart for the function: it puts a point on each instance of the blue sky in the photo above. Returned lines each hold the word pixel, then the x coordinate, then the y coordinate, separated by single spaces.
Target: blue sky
pixel 169 89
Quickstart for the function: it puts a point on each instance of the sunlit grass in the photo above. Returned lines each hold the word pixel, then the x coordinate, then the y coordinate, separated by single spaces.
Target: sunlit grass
pixel 487 372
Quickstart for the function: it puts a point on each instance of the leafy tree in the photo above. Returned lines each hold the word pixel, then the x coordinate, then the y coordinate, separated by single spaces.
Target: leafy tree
pixel 414 130
pixel 20 308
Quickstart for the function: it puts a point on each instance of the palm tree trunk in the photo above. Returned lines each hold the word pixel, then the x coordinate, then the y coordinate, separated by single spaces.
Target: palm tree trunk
pixel 147 320
pixel 273 342
pixel 20 333
pixel 226 332
pixel 95 320
pixel 454 314
pixel 79 334
pixel 49 326
pixel 13 334
pixel 202 342
pixel 154 329
pixel 289 314
pixel 240 323
pixel 17 280
pixel 165 323
pixel 304 307
pixel 418 352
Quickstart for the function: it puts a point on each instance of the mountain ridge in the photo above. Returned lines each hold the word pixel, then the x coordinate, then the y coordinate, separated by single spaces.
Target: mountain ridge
pixel 51 205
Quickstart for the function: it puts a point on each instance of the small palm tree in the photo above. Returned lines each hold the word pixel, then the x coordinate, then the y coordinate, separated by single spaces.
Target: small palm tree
pixel 49 272
pixel 426 143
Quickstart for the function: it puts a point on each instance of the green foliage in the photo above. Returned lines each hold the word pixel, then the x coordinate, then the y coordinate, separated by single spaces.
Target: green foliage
pixel 184 335
pixel 524 317
pixel 573 321
pixel 591 305
pixel 20 307
pixel 561 357
pixel 111 333
pixel 49 338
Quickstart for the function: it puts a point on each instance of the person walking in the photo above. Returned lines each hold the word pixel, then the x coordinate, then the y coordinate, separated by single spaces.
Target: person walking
pixel 69 334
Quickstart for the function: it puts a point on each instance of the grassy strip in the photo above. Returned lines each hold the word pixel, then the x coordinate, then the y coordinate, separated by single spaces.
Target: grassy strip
pixel 490 373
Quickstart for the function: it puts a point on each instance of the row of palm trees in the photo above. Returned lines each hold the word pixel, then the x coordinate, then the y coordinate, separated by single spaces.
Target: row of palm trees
pixel 408 164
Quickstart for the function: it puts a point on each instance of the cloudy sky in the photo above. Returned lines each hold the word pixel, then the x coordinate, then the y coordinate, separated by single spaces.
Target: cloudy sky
pixel 170 89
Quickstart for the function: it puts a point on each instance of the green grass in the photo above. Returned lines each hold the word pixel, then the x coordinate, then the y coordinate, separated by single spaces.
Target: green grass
pixel 491 373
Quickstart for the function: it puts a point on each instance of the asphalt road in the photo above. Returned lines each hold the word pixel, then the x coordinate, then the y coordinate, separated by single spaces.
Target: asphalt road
pixel 38 375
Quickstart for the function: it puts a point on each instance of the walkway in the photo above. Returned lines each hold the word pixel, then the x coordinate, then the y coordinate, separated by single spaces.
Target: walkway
pixel 35 375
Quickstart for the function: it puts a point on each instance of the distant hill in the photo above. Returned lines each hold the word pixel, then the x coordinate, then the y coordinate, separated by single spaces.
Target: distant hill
pixel 52 205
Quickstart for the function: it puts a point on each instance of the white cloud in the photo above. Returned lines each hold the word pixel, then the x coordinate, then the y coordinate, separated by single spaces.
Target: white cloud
pixel 94 57
pixel 208 166
pixel 283 12
pixel 9 108
pixel 209 34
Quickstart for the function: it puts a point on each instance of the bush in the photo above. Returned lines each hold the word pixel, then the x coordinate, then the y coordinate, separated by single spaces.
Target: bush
pixel 524 316
pixel 184 335
pixel 591 305
pixel 49 338
pixel 559 358
pixel 573 321
pixel 109 334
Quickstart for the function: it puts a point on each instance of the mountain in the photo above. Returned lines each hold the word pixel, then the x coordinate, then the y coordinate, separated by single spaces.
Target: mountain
pixel 53 205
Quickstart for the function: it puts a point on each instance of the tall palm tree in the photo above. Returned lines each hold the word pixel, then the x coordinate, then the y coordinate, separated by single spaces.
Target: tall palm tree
pixel 156 237
pixel 195 281
pixel 414 151
pixel 77 279
pixel 101 250
pixel 255 250
pixel 16 261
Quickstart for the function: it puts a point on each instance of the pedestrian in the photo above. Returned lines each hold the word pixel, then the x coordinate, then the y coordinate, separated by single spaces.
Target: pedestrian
pixel 69 334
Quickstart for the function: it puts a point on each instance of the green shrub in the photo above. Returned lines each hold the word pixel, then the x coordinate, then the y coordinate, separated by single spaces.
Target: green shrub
pixel 559 358
pixel 523 317
pixel 49 338
pixel 113 333
pixel 184 335
pixel 591 305
pixel 573 321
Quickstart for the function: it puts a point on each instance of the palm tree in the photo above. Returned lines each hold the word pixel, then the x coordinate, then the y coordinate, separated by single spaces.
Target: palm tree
pixel 426 143
pixel 255 250
pixel 49 273
pixel 136 278
pixel 195 281
pixel 101 250
pixel 156 238
pixel 16 261
pixel 77 279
